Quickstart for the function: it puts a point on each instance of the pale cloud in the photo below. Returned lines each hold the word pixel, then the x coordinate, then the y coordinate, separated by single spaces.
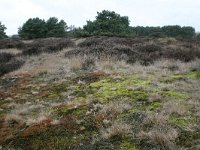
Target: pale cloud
pixel 13 13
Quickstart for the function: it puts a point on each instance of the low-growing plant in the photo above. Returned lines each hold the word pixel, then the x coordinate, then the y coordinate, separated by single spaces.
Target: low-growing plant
pixel 5 57
pixel 46 45
pixel 11 43
pixel 10 66
pixel 160 138
pixel 117 129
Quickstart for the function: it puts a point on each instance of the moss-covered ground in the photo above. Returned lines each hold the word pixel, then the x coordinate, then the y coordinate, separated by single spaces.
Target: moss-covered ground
pixel 79 111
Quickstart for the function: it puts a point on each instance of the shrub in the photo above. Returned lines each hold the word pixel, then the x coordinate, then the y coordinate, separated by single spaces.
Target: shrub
pixel 162 139
pixel 46 45
pixel 54 45
pixel 117 129
pixel 182 54
pixel 143 50
pixel 11 43
pixel 88 64
pixel 5 57
pixel 150 48
pixel 10 66
pixel 12 119
pixel 93 41
pixel 32 50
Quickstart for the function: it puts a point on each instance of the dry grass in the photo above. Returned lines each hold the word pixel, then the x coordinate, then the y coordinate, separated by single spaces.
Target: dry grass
pixel 155 97
pixel 42 116
pixel 12 119
pixel 177 66
pixel 24 112
pixel 115 107
pixel 117 129
pixel 157 119
pixel 25 108
pixel 55 122
pixel 14 51
pixel 109 112
pixel 161 138
pixel 54 64
pixel 75 63
pixel 111 64
pixel 175 108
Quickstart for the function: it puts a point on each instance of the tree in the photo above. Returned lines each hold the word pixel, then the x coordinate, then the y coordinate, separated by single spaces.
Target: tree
pixel 198 36
pixel 188 32
pixel 108 22
pixel 38 28
pixel 33 28
pixel 172 31
pixel 2 31
pixel 55 28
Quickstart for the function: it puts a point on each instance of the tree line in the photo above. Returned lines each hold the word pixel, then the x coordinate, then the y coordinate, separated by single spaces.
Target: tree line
pixel 106 23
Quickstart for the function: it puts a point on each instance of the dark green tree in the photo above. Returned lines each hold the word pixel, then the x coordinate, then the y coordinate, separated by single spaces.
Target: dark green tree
pixel 33 28
pixel 55 28
pixel 188 32
pixel 172 31
pixel 38 28
pixel 2 31
pixel 108 22
pixel 198 36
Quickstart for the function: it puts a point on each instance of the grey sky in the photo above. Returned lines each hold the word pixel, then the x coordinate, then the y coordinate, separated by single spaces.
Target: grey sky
pixel 13 13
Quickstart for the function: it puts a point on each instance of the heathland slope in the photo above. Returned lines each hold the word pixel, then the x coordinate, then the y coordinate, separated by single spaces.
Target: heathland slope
pixel 100 93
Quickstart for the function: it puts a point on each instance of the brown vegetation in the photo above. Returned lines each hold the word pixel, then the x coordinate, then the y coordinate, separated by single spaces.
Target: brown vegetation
pixel 91 94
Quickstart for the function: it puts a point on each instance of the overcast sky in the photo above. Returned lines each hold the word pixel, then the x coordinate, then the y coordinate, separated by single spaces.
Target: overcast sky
pixel 13 13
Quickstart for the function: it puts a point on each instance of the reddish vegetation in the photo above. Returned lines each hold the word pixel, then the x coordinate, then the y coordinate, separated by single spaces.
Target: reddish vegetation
pixel 10 130
pixel 41 126
pixel 92 77
pixel 5 133
pixel 69 122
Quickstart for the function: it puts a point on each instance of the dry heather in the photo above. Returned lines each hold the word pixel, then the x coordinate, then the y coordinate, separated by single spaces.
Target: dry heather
pixel 117 129
pixel 163 139
pixel 100 93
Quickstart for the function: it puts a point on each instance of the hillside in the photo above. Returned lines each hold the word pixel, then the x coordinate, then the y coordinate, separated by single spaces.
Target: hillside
pixel 100 93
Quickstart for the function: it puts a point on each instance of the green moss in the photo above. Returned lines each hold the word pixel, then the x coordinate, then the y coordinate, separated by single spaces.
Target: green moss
pixel 174 94
pixel 53 143
pixel 177 77
pixel 110 88
pixel 126 145
pixel 154 106
pixel 63 111
pixel 53 96
pixel 193 75
pixel 181 121
pixel 3 112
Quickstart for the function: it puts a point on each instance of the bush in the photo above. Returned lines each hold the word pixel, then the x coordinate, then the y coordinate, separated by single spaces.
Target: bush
pixel 88 64
pixel 46 45
pixel 143 50
pixel 93 41
pixel 11 43
pixel 150 48
pixel 10 66
pixel 185 55
pixel 5 57
pixel 32 50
